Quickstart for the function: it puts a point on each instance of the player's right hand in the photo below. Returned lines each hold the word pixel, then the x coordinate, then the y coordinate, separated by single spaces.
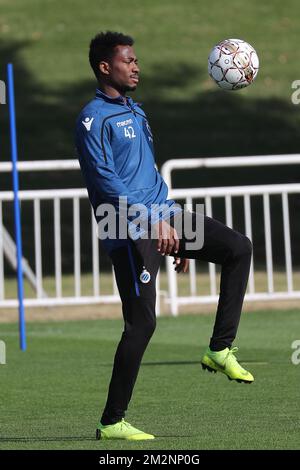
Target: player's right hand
pixel 168 241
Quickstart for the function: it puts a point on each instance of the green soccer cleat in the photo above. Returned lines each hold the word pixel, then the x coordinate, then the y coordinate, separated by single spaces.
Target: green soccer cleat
pixel 121 430
pixel 225 361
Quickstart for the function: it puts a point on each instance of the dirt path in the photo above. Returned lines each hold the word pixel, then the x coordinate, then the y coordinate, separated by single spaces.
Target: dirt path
pixel 92 312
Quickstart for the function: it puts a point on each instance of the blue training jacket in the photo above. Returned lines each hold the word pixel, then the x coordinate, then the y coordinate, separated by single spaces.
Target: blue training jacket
pixel 115 147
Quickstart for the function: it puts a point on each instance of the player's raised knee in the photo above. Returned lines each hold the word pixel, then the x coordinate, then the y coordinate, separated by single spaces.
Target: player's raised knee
pixel 244 246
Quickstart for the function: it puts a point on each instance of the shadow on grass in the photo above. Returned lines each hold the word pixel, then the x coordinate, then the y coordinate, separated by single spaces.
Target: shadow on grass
pixel 160 363
pixel 209 124
pixel 47 439
pixel 75 438
pixel 171 363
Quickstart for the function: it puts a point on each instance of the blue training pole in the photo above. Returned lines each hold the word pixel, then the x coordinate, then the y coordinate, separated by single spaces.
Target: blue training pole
pixel 17 215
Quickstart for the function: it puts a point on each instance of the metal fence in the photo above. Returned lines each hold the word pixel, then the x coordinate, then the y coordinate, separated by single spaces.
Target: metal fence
pixel 188 195
pixel 56 196
pixel 173 299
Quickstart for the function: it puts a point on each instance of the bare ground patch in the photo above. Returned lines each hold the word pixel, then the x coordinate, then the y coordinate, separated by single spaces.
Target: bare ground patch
pixel 93 312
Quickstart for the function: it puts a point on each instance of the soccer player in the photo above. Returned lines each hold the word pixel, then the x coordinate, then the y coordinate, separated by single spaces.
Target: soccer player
pixel 115 147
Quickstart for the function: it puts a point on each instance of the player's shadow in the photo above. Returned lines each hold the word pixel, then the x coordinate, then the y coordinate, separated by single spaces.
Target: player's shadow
pixel 159 363
pixel 47 439
pixel 170 363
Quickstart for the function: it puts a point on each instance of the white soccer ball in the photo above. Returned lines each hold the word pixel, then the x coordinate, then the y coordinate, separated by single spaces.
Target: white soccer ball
pixel 233 64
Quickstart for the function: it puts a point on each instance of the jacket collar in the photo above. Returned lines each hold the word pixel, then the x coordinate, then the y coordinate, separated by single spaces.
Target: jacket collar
pixel 118 100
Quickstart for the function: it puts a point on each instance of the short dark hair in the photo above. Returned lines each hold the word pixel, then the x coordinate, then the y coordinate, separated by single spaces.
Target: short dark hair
pixel 102 47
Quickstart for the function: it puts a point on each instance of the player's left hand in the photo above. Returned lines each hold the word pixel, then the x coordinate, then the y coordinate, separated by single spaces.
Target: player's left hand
pixel 181 264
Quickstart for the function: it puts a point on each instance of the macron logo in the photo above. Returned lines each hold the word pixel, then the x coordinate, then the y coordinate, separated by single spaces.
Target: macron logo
pixel 87 123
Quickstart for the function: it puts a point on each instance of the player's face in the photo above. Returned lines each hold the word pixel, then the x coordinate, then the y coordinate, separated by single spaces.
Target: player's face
pixel 124 70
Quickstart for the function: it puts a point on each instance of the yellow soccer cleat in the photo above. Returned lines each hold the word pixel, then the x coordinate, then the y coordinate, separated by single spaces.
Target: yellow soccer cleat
pixel 225 361
pixel 121 430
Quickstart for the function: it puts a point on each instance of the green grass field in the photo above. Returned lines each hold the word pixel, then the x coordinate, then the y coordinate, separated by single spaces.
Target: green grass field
pixel 52 395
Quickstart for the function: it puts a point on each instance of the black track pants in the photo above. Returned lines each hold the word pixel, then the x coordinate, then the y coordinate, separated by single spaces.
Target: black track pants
pixel 223 246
